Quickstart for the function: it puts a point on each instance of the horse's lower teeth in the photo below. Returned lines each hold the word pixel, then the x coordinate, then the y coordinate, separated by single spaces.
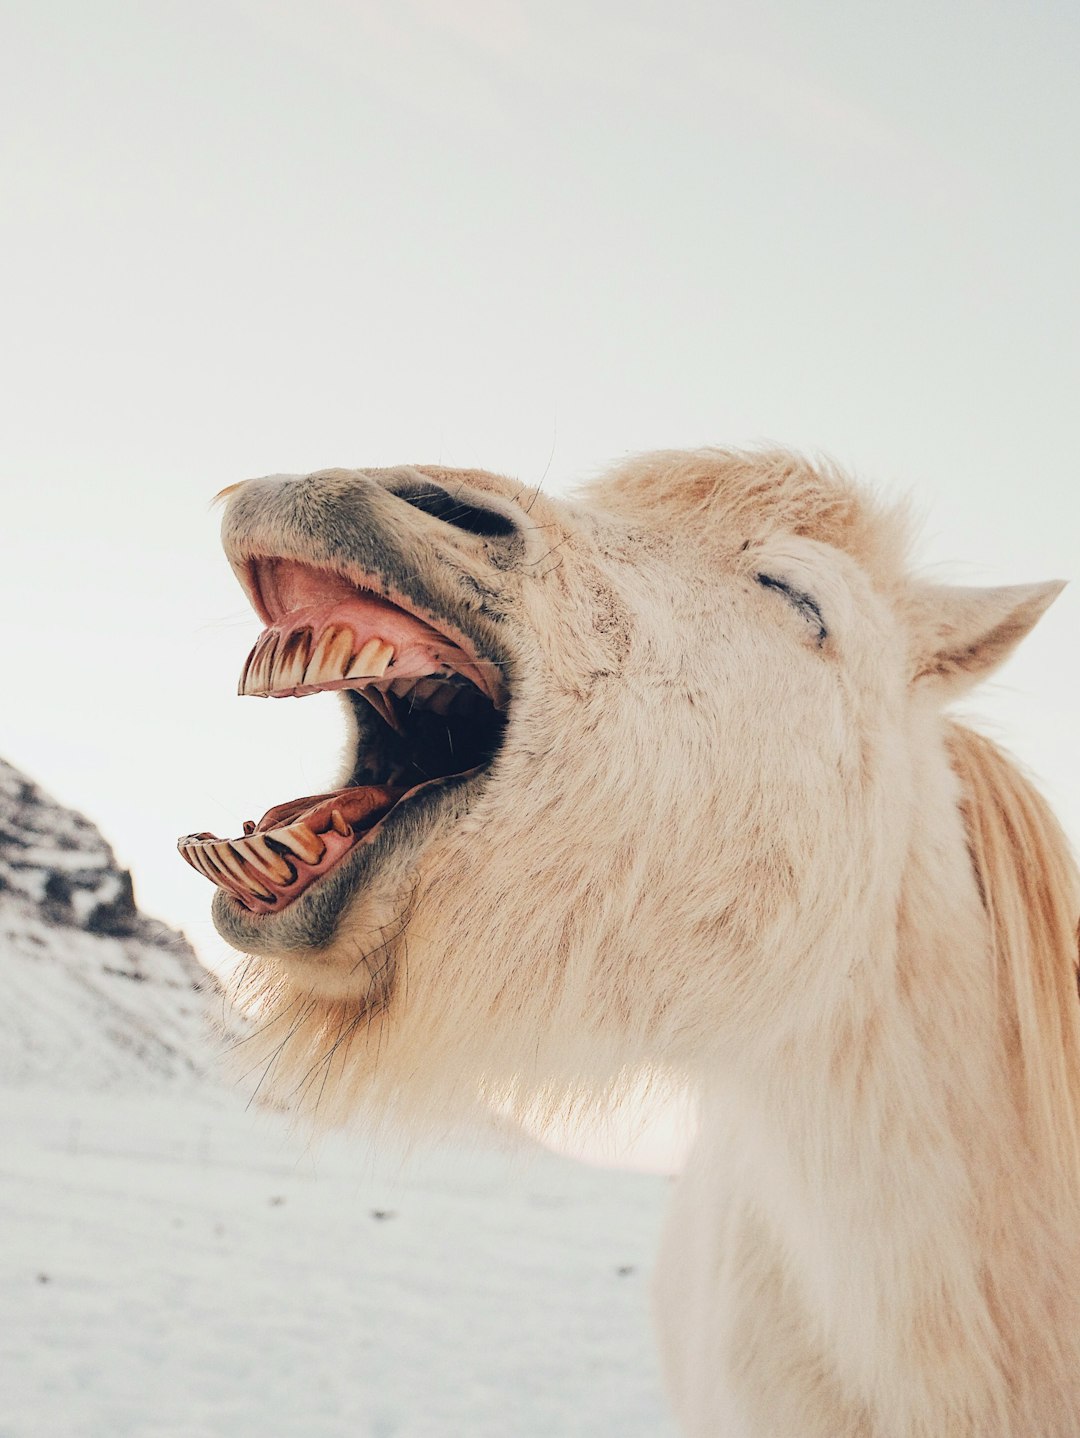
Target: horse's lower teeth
pixel 302 842
pixel 226 855
pixel 252 866
pixel 259 854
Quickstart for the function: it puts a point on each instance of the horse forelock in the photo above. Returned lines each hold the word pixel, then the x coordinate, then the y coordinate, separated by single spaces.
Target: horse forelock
pixel 743 494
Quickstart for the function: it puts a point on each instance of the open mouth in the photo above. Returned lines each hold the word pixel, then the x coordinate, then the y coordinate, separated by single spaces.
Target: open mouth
pixel 430 713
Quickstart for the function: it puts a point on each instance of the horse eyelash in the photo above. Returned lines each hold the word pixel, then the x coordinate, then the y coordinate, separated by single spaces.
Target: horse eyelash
pixel 804 603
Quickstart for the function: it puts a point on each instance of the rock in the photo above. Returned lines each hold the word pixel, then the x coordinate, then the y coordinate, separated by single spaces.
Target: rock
pixel 96 992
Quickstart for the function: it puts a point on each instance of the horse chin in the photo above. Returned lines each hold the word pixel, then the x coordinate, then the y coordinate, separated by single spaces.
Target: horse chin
pixel 309 931
pixel 333 944
pixel 341 932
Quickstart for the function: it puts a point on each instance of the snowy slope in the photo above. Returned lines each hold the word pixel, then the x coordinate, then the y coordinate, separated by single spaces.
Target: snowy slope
pixel 95 993
pixel 174 1270
pixel 175 1265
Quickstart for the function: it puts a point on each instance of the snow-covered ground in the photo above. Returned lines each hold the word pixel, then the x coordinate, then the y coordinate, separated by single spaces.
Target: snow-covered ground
pixel 174 1266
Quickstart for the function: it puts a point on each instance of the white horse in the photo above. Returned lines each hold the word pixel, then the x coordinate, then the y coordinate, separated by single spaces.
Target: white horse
pixel 661 780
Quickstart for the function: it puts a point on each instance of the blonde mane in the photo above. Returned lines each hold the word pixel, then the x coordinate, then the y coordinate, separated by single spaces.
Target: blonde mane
pixel 1030 888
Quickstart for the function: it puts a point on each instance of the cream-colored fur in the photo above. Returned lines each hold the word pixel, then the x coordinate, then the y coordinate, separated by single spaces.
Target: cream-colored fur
pixel 723 845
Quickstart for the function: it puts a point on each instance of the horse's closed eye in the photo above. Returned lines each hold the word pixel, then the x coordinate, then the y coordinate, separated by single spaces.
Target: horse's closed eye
pixel 801 602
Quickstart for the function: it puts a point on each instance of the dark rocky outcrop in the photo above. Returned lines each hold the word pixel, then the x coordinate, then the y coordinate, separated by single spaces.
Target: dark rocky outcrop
pixel 96 992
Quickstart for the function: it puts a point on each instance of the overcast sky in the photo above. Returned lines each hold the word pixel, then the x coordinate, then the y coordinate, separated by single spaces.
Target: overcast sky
pixel 251 236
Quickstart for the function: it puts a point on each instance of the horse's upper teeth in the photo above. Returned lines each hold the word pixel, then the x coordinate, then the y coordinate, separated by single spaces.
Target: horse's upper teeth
pixel 291 660
pixel 441 698
pixel 382 706
pixel 279 664
pixel 424 689
pixel 332 655
pixel 256 676
pixel 372 660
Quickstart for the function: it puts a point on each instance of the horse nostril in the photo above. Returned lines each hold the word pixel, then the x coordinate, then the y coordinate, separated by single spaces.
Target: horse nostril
pixel 442 504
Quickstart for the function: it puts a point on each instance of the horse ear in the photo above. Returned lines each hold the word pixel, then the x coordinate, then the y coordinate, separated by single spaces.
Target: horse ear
pixel 959 635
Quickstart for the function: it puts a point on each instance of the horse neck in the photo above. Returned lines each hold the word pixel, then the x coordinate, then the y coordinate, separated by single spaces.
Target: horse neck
pixel 881 1148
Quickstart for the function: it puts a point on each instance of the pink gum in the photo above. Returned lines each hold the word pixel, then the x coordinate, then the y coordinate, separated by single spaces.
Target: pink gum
pixel 419 649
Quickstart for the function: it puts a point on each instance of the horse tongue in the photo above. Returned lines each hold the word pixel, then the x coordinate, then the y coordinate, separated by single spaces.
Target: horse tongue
pixel 360 808
pixel 356 806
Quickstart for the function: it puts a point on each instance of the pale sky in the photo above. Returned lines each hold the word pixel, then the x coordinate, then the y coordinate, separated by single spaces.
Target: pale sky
pixel 252 236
